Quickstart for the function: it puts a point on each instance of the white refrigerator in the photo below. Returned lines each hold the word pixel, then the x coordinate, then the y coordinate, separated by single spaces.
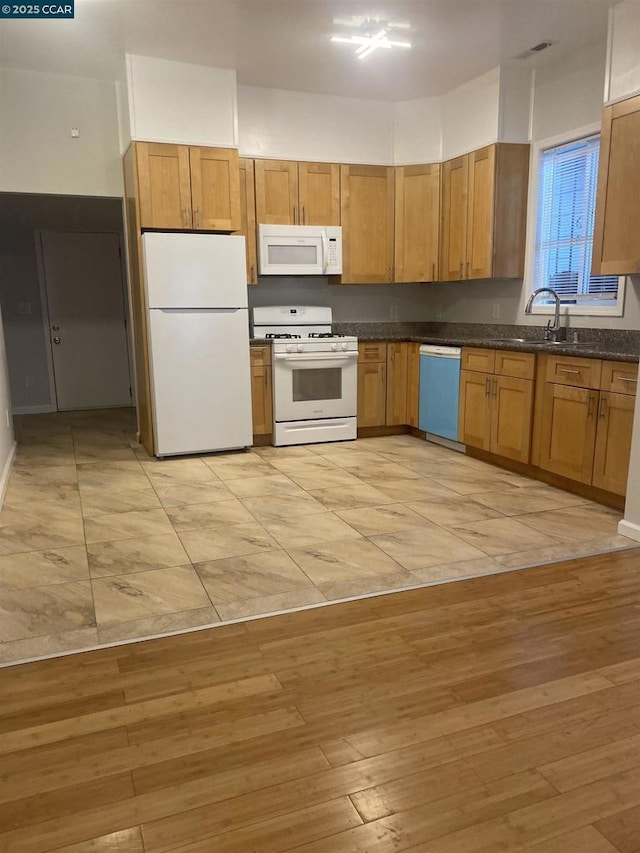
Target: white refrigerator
pixel 198 338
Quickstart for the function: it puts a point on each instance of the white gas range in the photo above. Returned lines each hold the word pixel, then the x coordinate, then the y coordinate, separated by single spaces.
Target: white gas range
pixel 315 375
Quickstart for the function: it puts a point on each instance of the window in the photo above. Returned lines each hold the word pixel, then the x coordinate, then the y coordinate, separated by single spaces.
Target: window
pixel 567 181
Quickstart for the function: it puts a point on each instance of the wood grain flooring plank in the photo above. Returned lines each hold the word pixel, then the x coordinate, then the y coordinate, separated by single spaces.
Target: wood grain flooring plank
pixel 622 830
pixel 126 841
pixel 282 833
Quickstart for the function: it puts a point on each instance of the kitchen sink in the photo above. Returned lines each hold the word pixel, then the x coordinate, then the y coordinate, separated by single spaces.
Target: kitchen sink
pixel 541 343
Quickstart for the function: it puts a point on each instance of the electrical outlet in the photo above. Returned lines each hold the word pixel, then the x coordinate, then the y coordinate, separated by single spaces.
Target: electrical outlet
pixel 393 312
pixel 495 311
pixel 438 311
pixel 75 133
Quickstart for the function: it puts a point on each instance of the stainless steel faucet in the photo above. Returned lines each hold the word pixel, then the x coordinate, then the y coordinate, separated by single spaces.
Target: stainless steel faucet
pixel 551 333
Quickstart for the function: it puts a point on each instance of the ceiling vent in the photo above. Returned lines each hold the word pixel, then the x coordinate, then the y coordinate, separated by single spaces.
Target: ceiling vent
pixel 532 51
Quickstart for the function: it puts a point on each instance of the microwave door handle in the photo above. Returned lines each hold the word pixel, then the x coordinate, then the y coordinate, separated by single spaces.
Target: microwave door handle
pixel 325 251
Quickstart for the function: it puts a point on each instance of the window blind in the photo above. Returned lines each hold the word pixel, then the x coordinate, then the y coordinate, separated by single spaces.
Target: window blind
pixel 566 216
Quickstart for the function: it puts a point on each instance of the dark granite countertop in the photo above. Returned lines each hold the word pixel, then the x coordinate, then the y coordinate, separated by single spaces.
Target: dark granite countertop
pixel 610 344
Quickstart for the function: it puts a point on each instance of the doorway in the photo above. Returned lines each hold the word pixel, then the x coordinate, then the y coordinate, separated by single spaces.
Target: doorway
pixel 84 312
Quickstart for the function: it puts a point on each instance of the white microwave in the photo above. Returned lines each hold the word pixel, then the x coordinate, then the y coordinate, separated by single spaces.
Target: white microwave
pixel 300 249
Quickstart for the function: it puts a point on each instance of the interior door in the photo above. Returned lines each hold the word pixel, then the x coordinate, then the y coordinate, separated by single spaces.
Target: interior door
pixel 85 297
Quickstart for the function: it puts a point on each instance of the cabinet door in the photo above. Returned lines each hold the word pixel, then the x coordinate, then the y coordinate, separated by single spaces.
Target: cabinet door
pixel 215 188
pixel 397 357
pixel 417 222
pixel 413 384
pixel 367 224
pixel 277 192
pixel 474 413
pixel 453 246
pixel 261 399
pixel 616 242
pixel 164 185
pixel 372 394
pixel 568 431
pixel 481 198
pixel 613 442
pixel 248 217
pixel 511 417
pixel 319 193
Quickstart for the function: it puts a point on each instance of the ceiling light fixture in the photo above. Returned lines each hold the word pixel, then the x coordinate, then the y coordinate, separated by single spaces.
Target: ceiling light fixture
pixel 369 41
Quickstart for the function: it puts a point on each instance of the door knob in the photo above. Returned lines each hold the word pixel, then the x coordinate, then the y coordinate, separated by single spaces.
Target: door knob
pixel 56 340
pixel 55 327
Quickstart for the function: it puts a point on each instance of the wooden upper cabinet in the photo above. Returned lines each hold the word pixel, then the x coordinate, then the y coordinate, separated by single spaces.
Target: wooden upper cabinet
pixel 616 242
pixel 367 214
pixel 453 246
pixel 277 192
pixel 484 208
pixel 215 188
pixel 480 204
pixel 248 217
pixel 319 194
pixel 417 222
pixel 163 185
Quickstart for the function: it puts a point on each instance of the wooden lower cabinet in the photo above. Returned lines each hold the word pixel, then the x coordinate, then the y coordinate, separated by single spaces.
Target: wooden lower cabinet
pixel 568 433
pixel 397 355
pixel 413 385
pixel 474 413
pixel 261 390
pixel 511 417
pixel 372 394
pixel 613 442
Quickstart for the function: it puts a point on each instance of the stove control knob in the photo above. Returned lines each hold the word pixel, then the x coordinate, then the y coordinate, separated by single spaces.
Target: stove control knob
pixel 299 347
pixel 344 347
pixel 334 347
pixel 289 348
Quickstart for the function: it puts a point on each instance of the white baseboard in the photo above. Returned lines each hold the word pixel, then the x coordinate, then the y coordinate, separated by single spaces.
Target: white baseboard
pixel 629 529
pixel 33 410
pixel 4 479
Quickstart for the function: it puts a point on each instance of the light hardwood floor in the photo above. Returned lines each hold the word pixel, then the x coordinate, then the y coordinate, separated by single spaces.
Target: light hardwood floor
pixel 100 543
pixel 494 714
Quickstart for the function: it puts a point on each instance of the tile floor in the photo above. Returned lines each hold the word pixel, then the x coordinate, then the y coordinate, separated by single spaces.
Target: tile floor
pixel 99 543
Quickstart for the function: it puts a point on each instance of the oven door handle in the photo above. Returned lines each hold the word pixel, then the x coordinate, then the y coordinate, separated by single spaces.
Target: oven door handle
pixel 298 357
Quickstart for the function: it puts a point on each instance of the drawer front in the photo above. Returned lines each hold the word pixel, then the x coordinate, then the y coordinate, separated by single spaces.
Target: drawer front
pixel 260 354
pixel 373 351
pixel 581 372
pixel 620 377
pixel 520 365
pixel 481 360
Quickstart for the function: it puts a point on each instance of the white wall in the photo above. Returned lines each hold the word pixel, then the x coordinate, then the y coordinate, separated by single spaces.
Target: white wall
pixel 471 115
pixel 418 131
pixel 624 54
pixel 37 152
pixel 181 103
pixel 569 96
pixel 7 443
pixel 302 126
